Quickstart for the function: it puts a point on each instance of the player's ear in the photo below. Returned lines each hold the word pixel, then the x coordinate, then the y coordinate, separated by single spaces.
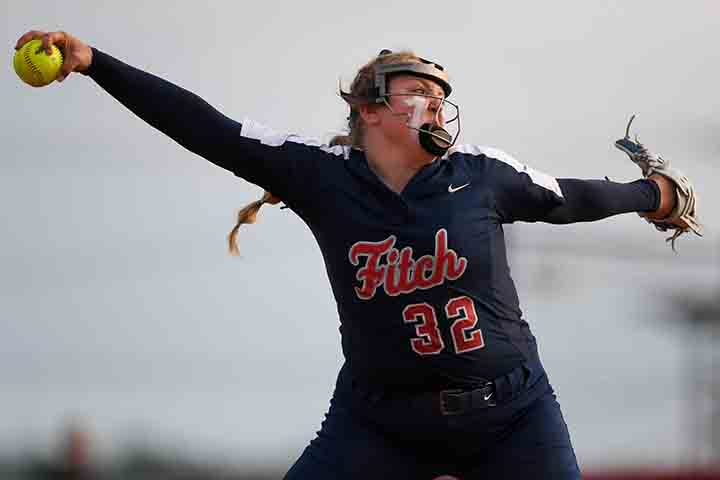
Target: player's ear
pixel 369 113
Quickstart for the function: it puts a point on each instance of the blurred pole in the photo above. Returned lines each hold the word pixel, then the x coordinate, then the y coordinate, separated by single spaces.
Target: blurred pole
pixel 714 387
pixel 701 318
pixel 76 458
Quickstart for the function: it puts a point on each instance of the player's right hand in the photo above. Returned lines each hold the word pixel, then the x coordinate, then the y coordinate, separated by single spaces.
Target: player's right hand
pixel 77 55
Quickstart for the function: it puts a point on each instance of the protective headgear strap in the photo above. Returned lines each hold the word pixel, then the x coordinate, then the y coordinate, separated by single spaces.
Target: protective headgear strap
pixel 428 70
pixel 378 91
pixel 433 138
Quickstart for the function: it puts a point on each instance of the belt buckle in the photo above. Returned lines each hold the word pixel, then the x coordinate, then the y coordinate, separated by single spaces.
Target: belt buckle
pixel 443 402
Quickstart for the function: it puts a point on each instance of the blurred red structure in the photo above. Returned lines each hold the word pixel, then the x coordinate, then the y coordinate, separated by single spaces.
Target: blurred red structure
pixel 687 474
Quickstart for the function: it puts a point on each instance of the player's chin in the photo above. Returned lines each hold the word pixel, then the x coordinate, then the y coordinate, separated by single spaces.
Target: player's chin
pixel 418 152
pixel 403 136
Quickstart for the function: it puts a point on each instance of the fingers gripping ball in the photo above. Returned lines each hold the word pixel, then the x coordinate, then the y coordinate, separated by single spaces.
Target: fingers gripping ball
pixel 35 66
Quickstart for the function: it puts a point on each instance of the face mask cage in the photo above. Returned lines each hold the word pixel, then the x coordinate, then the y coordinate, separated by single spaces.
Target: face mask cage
pixel 445 127
pixel 445 112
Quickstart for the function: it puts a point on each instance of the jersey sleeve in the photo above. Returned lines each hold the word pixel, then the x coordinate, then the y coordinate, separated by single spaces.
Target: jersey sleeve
pixel 521 193
pixel 285 164
pixel 591 200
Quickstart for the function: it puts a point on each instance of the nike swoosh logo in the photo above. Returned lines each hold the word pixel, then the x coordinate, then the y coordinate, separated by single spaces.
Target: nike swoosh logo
pixel 487 397
pixel 452 189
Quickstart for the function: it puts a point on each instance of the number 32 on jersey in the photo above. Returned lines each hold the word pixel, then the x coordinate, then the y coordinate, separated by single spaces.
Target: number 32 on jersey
pixel 428 340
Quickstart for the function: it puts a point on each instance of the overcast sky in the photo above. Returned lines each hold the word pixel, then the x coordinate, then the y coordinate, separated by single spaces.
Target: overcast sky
pixel 119 304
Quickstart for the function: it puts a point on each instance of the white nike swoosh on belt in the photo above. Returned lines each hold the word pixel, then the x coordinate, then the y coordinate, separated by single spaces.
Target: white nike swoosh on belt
pixel 452 189
pixel 487 397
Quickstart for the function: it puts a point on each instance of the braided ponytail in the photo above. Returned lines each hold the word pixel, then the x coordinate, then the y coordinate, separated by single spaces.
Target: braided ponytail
pixel 248 214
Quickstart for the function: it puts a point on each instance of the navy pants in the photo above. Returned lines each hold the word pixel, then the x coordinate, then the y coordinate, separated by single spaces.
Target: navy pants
pixel 405 436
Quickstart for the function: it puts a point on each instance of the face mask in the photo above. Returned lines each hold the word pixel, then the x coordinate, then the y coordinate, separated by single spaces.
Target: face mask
pixel 432 136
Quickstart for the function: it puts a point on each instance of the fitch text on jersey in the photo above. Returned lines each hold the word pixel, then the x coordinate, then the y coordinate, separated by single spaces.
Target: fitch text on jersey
pixel 398 272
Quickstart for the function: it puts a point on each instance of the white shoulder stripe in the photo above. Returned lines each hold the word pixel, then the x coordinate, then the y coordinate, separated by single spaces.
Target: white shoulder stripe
pixel 538 178
pixel 267 136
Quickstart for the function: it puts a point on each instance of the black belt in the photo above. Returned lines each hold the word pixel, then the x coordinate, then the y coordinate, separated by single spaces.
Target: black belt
pixel 455 402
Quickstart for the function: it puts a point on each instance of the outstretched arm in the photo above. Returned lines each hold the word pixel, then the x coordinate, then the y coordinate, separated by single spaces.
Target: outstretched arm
pixel 176 112
pixel 526 194
pixel 285 164
pixel 591 200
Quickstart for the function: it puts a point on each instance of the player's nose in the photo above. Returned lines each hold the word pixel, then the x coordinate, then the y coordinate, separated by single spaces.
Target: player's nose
pixel 438 113
pixel 435 103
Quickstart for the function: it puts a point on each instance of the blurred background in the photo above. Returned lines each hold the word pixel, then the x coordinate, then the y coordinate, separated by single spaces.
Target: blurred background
pixel 131 342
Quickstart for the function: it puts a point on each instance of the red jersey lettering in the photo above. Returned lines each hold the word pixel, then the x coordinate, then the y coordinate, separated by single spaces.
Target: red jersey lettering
pixel 396 270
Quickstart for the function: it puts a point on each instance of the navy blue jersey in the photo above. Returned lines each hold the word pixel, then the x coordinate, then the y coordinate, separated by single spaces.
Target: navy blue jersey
pixel 421 278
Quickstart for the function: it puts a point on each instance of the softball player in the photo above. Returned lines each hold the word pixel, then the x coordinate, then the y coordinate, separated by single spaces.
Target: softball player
pixel 441 373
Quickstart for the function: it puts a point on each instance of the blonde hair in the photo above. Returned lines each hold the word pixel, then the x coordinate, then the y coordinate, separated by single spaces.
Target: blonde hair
pixel 359 89
pixel 248 214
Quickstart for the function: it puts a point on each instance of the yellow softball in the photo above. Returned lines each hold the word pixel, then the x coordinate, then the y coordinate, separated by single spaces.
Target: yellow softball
pixel 34 66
